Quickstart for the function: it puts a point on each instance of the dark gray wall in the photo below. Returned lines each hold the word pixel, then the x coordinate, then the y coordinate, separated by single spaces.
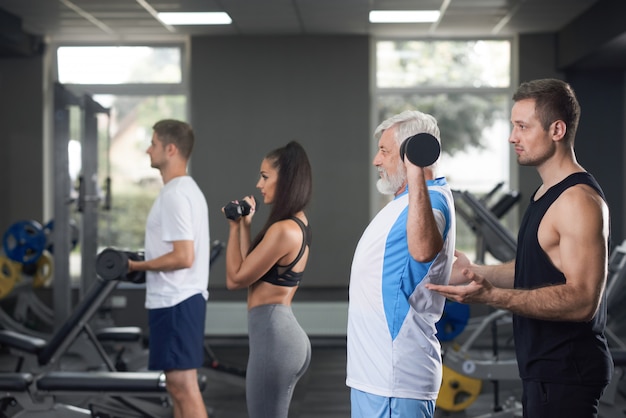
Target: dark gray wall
pixel 250 95
pixel 601 136
pixel 21 159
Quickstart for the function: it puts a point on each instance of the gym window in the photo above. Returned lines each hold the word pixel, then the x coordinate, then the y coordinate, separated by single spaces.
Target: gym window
pixel 118 64
pixel 139 84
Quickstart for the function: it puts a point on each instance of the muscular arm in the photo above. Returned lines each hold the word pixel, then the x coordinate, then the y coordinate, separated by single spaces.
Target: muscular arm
pixel 574 235
pixel 181 256
pixel 424 239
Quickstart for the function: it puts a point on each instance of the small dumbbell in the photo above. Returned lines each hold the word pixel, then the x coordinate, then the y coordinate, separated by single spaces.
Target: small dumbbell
pixel 234 210
pixel 422 149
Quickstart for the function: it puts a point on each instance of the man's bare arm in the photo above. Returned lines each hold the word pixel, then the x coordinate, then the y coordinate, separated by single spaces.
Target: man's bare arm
pixel 181 256
pixel 423 237
pixel 580 253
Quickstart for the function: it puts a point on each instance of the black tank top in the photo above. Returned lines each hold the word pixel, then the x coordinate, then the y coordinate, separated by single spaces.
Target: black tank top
pixel 556 351
pixel 288 277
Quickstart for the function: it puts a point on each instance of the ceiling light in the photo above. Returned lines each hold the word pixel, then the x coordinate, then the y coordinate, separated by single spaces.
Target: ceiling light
pixel 404 16
pixel 205 18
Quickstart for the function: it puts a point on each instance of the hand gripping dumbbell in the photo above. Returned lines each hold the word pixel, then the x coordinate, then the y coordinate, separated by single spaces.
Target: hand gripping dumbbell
pixel 112 264
pixel 235 210
pixel 422 149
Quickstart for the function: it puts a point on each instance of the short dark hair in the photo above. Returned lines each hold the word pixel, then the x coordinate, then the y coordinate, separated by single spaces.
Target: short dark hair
pixel 554 100
pixel 294 186
pixel 179 133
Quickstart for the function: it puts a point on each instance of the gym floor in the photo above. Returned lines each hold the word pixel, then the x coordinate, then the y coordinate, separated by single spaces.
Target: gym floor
pixel 322 391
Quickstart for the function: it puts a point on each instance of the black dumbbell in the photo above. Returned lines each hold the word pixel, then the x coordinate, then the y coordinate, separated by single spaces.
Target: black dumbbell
pixel 112 264
pixel 234 210
pixel 422 149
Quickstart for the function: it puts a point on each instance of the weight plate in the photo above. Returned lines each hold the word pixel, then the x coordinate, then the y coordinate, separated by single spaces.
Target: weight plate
pixel 43 274
pixel 422 149
pixel 457 391
pixel 74 235
pixel 24 241
pixel 453 320
pixel 111 264
pixel 9 274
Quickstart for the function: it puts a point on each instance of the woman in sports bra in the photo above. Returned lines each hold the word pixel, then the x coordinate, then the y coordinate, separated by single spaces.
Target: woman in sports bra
pixel 271 266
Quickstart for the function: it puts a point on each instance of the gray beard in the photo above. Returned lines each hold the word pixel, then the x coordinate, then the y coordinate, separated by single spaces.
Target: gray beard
pixel 390 185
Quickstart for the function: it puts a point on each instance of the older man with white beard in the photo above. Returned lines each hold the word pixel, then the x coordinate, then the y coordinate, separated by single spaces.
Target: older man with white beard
pixel 394 357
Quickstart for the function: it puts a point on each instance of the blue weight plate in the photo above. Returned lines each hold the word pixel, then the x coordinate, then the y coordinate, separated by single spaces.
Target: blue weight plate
pixel 453 321
pixel 24 241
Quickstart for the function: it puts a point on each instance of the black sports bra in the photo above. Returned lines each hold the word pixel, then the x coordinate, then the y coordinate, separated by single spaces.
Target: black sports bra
pixel 289 278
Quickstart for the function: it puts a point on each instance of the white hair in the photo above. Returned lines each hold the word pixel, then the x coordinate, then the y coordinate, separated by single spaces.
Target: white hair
pixel 407 124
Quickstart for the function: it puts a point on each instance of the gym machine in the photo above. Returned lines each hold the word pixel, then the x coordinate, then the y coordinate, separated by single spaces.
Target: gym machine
pixel 40 379
pixel 484 221
pixel 464 368
pixel 613 401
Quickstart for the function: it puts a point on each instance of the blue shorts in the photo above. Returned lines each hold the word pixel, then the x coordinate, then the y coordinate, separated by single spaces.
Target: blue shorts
pixel 177 335
pixel 366 405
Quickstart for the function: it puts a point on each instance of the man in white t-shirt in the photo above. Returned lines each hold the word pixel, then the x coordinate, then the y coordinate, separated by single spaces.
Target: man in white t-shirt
pixel 177 269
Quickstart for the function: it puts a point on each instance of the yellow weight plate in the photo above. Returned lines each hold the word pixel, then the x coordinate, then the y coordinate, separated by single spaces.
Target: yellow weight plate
pixel 457 391
pixel 10 273
pixel 43 274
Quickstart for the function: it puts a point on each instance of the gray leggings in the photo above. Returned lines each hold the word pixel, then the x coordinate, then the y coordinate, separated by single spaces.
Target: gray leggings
pixel 280 353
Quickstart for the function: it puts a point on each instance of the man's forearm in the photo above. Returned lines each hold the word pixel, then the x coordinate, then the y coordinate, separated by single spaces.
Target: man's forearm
pixel 500 275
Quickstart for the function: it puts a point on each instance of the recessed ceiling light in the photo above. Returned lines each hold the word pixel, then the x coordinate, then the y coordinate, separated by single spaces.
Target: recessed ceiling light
pixel 404 16
pixel 204 18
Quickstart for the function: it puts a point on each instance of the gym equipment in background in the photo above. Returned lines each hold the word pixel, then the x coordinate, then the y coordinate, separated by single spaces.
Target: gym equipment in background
pixel 453 320
pixel 41 358
pixel 463 371
pixel 211 361
pixel 491 235
pixel 613 401
pixel 28 265
pixel 24 241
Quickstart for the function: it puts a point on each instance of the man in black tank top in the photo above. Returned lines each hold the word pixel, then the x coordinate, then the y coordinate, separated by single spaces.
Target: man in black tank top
pixel 555 286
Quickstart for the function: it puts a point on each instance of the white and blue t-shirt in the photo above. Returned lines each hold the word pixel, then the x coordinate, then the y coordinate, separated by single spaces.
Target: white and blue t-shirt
pixel 393 350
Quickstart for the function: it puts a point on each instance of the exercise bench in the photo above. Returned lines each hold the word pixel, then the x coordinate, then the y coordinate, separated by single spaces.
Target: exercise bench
pixel 53 393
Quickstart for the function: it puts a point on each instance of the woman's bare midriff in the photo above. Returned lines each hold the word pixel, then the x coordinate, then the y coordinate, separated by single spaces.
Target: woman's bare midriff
pixel 263 293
